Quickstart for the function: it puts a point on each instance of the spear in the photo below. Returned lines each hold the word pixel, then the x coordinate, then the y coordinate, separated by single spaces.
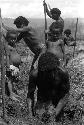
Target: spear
pixel 75 36
pixel 2 70
pixel 45 21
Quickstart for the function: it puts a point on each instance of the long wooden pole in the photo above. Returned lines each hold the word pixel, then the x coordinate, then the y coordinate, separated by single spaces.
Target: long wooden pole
pixel 2 69
pixel 45 22
pixel 75 36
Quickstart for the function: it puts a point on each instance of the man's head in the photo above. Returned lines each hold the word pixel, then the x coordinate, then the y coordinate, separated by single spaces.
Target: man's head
pixel 55 12
pixel 55 31
pixel 54 35
pixel 11 38
pixel 21 21
pixel 67 32
pixel 48 61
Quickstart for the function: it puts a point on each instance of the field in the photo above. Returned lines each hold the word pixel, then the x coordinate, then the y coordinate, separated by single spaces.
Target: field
pixel 17 111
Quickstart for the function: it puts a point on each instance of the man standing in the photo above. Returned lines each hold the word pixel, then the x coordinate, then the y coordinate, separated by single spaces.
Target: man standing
pixel 55 30
pixel 54 13
pixel 69 43
pixel 13 62
pixel 55 42
pixel 68 38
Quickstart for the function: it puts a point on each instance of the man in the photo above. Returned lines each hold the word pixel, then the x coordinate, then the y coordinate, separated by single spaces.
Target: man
pixel 12 78
pixel 13 61
pixel 55 42
pixel 54 13
pixel 11 38
pixel 28 36
pixel 68 38
pixel 12 73
pixel 69 43
pixel 11 53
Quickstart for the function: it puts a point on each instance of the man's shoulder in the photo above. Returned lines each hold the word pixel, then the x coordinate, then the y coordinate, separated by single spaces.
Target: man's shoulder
pixel 27 30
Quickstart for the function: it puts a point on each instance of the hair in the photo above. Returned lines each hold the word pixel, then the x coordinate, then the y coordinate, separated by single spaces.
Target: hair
pixel 48 61
pixel 21 20
pixel 67 31
pixel 55 10
pixel 10 39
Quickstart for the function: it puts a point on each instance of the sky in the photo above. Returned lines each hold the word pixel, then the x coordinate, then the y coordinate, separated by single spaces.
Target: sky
pixel 35 9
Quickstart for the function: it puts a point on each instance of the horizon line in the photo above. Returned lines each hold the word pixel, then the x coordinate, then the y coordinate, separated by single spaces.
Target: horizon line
pixel 43 18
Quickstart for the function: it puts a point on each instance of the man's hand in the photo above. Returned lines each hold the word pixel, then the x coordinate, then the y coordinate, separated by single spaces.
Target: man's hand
pixel 61 104
pixel 46 31
pixel 73 44
pixel 44 4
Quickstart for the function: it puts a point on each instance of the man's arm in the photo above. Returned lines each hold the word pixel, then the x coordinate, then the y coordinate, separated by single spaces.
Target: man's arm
pixel 61 104
pixel 14 30
pixel 73 42
pixel 62 48
pixel 47 11
pixel 65 41
pixel 31 89
pixel 65 92
pixel 19 37
pixel 32 83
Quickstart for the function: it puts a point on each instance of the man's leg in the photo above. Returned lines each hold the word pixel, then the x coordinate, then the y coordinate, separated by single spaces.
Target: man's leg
pixel 60 106
pixel 32 66
pixel 31 89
